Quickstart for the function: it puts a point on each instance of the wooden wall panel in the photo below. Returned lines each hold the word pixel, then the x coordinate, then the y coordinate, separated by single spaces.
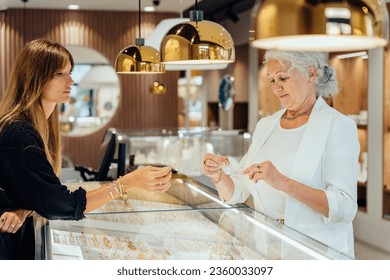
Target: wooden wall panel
pixel 352 75
pixel 108 33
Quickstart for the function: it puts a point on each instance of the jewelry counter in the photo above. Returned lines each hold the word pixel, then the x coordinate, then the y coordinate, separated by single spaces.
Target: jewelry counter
pixel 187 222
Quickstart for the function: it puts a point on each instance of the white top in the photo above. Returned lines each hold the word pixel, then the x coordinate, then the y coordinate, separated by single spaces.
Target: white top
pixel 280 148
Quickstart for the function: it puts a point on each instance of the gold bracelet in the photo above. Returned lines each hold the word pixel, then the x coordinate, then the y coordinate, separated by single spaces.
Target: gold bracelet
pixel 123 194
pixel 116 188
pixel 109 190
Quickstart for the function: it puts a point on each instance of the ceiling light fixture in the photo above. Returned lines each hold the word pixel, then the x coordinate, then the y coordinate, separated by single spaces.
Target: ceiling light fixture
pixel 157 88
pixel 138 58
pixel 351 55
pixel 149 9
pixel 154 40
pixel 327 25
pixel 197 42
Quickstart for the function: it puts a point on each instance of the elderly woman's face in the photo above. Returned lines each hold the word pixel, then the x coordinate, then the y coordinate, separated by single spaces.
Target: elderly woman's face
pixel 292 89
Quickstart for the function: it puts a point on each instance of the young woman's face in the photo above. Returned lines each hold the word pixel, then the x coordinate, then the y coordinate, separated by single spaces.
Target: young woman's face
pixel 57 90
pixel 292 89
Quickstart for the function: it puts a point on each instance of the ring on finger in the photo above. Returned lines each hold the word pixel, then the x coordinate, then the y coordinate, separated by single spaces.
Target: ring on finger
pixel 258 167
pixel 160 182
pixel 12 226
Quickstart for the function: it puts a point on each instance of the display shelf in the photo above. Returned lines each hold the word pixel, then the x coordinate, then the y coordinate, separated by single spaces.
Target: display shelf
pixel 386 202
pixel 188 222
pixel 362 184
pixel 362 126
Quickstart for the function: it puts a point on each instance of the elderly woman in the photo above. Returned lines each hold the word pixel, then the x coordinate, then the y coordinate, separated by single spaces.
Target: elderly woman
pixel 301 168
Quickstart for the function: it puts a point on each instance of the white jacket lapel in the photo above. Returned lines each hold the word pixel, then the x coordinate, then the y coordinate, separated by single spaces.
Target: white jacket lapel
pixel 310 151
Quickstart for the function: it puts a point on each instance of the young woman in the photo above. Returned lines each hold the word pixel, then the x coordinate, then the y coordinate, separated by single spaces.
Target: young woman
pixel 30 152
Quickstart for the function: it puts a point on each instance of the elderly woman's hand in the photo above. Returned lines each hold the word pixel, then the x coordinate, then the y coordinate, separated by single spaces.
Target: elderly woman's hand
pixel 268 172
pixel 12 221
pixel 212 165
pixel 149 178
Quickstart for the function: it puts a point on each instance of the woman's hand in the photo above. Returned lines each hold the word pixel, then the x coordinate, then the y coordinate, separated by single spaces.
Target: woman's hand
pixel 12 221
pixel 268 172
pixel 212 166
pixel 149 178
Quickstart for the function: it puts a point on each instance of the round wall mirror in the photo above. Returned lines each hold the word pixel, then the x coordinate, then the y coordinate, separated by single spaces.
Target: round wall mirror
pixel 95 94
pixel 226 93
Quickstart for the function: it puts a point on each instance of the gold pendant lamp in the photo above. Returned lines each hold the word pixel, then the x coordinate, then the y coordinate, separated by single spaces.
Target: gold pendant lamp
pixel 138 58
pixel 319 25
pixel 197 42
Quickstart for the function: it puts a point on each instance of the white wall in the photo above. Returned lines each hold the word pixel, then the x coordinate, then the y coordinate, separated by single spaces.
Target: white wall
pixel 370 226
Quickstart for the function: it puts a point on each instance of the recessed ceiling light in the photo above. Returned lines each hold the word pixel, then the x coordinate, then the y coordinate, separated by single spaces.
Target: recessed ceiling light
pixel 73 7
pixel 149 9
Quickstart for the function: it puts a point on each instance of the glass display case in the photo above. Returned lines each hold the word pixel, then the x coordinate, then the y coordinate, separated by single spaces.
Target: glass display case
pixel 187 222
pixel 183 149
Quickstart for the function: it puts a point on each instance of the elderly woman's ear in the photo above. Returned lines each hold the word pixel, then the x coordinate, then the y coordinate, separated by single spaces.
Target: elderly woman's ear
pixel 312 75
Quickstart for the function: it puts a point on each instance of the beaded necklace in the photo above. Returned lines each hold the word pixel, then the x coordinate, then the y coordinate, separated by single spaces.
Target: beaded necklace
pixel 296 116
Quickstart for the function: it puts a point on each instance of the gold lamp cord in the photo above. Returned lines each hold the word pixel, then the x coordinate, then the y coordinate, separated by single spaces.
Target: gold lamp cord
pixel 196 14
pixel 139 41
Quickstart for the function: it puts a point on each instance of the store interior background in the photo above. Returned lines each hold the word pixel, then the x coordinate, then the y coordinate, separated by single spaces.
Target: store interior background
pixel 107 31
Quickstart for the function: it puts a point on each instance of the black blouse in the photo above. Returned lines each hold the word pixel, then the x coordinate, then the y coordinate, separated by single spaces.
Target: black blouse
pixel 27 181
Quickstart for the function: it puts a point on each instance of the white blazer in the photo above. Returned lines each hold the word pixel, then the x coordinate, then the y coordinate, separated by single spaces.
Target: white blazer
pixel 326 159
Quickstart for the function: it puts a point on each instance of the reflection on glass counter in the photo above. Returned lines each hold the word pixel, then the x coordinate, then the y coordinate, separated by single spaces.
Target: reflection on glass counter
pixel 184 149
pixel 187 222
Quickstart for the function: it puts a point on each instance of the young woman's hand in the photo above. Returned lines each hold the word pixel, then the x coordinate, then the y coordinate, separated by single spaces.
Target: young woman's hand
pixel 12 221
pixel 150 178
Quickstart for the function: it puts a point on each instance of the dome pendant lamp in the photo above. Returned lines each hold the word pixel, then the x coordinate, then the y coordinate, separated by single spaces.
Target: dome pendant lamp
pixel 319 25
pixel 197 42
pixel 138 58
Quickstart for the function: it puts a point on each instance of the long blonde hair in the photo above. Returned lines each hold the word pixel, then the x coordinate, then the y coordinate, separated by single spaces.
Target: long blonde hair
pixel 34 67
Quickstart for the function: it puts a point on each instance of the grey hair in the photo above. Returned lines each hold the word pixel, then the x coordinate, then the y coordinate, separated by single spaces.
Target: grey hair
pixel 326 84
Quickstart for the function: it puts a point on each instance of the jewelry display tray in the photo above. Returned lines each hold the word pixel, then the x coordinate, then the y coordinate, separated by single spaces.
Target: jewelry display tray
pixel 187 222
